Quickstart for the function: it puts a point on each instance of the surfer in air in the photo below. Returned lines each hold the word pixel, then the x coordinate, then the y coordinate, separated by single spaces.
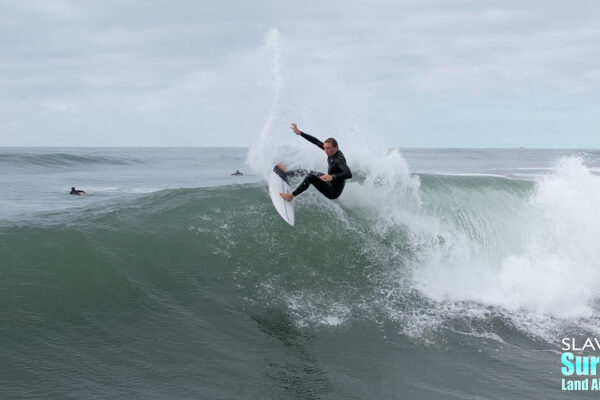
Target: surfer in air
pixel 331 184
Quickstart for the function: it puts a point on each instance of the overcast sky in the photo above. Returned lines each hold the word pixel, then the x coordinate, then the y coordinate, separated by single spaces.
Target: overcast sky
pixel 410 73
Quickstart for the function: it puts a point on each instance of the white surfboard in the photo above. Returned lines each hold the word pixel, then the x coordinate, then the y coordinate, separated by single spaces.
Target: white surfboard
pixel 278 183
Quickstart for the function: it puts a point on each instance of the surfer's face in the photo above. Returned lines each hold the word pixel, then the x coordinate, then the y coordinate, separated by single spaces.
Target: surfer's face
pixel 329 149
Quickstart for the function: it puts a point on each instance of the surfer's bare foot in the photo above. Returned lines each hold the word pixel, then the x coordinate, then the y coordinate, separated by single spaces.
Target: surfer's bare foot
pixel 287 196
pixel 282 167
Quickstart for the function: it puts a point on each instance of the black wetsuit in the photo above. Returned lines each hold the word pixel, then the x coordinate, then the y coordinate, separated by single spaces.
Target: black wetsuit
pixel 337 169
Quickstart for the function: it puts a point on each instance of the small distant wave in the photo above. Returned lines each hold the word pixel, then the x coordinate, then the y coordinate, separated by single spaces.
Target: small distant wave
pixel 62 160
pixel 474 174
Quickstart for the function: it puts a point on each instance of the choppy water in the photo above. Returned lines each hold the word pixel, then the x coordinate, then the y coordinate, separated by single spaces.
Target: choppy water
pixel 439 274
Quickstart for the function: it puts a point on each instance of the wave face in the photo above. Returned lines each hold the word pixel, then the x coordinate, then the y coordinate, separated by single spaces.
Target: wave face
pixel 174 293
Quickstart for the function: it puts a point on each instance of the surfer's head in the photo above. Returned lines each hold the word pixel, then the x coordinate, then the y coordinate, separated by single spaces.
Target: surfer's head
pixel 330 146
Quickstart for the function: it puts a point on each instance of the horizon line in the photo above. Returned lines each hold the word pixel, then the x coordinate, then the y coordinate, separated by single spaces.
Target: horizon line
pixel 246 147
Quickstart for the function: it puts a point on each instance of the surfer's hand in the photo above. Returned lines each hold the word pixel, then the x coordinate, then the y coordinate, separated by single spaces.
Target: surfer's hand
pixel 326 178
pixel 295 128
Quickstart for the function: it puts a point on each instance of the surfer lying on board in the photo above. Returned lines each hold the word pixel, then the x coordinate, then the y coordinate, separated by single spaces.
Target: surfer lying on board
pixel 76 191
pixel 331 184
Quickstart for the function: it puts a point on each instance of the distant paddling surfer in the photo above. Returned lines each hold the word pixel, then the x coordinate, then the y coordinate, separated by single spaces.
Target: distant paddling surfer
pixel 331 184
pixel 77 192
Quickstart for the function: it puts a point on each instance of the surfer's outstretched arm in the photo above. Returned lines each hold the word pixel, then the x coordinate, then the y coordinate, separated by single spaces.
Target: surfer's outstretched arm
pixel 306 136
pixel 312 139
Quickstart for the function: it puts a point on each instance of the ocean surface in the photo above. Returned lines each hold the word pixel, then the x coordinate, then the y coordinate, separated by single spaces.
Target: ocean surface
pixel 438 274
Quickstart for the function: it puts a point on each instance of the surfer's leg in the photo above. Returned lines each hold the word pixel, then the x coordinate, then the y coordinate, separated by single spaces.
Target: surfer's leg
pixel 302 172
pixel 303 186
pixel 326 189
pixel 315 180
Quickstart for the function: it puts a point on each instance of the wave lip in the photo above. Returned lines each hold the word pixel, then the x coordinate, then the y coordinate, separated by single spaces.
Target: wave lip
pixel 540 268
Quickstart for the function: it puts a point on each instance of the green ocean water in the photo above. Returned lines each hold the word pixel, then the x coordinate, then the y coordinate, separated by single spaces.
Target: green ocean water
pixel 205 293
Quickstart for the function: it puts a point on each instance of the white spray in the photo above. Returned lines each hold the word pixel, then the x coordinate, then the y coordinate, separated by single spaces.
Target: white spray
pixel 554 269
pixel 261 155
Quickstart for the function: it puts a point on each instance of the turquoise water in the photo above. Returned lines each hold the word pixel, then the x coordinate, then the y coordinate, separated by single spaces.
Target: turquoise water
pixel 173 279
